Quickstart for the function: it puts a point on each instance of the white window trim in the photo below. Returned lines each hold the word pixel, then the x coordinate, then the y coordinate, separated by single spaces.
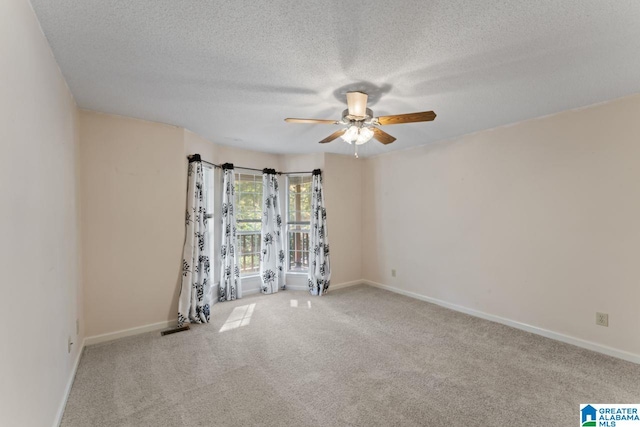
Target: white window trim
pixel 211 201
pixel 255 174
pixel 286 226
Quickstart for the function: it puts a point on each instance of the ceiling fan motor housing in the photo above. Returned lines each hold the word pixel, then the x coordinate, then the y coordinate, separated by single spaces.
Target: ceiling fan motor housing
pixel 347 118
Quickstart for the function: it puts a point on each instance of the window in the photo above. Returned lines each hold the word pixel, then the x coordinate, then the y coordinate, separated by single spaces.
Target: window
pixel 249 221
pixel 298 221
pixel 208 190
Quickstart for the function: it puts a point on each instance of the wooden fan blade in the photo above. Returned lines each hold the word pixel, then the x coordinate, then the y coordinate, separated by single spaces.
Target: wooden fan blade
pixel 333 136
pixel 312 121
pixel 382 136
pixel 357 104
pixel 397 119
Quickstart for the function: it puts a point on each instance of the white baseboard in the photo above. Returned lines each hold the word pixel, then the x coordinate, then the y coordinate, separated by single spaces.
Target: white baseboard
pixel 67 389
pixel 297 288
pixel 332 287
pixel 345 285
pixel 96 339
pixel 589 345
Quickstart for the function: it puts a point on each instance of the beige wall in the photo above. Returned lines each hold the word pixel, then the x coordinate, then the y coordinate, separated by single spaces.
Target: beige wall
pixel 537 222
pixel 250 159
pixel 39 229
pixel 133 201
pixel 342 183
pixel 302 162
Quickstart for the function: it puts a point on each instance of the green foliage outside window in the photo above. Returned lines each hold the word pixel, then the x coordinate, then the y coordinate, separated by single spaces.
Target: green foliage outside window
pixel 299 217
pixel 249 221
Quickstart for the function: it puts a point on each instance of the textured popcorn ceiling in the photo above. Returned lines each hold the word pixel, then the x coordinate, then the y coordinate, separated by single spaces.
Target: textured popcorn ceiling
pixel 231 71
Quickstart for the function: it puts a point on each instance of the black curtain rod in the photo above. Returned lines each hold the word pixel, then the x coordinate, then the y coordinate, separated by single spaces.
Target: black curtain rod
pixel 251 169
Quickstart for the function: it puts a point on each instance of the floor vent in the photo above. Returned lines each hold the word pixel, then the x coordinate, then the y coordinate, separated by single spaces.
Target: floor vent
pixel 174 330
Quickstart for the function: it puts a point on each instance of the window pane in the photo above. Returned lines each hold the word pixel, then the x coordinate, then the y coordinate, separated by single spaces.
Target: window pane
pixel 208 174
pixel 292 203
pixel 208 187
pixel 249 217
pixel 248 226
pixel 299 198
pixel 298 212
pixel 250 258
pixel 257 203
pixel 298 251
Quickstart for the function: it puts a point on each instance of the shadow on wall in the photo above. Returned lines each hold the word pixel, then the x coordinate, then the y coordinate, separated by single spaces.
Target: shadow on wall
pixel 173 307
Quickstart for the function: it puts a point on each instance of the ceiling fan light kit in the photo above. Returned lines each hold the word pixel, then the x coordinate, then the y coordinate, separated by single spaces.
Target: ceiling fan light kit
pixel 360 123
pixel 357 135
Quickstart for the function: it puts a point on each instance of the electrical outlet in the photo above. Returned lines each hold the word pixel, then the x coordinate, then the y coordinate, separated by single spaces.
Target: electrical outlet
pixel 602 319
pixel 393 272
pixel 69 344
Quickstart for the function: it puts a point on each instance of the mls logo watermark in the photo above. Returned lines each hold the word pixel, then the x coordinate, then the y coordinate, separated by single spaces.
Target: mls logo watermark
pixel 609 415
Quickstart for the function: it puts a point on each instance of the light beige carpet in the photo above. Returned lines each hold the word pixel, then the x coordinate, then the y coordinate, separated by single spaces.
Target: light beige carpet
pixel 359 356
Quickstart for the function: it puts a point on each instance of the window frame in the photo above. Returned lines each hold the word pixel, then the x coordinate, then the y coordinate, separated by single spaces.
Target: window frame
pixel 257 179
pixel 289 223
pixel 208 172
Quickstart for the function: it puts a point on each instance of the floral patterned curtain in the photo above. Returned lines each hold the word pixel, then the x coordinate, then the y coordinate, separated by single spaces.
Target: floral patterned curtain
pixel 272 252
pixel 319 265
pixel 229 269
pixel 195 295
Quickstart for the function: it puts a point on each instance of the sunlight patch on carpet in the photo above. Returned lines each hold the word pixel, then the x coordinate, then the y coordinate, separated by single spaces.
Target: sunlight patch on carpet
pixel 240 316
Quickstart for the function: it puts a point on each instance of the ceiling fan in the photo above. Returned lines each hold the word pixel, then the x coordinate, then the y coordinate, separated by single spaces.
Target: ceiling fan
pixel 361 125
